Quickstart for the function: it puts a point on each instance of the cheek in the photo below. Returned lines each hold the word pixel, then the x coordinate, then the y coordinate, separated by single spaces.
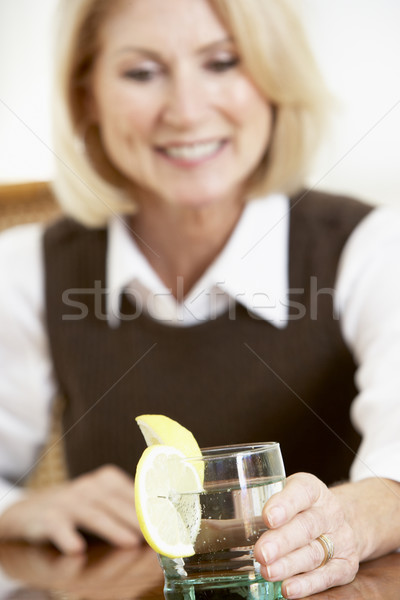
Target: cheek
pixel 127 126
pixel 124 115
pixel 249 109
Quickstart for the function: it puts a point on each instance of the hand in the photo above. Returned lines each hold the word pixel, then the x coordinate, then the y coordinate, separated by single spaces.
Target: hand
pixel 289 550
pixel 100 503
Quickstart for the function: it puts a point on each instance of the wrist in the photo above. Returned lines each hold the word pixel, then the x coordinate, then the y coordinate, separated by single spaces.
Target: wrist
pixel 352 499
pixel 372 509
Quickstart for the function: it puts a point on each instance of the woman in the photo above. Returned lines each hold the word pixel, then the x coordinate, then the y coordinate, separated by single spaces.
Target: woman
pixel 189 283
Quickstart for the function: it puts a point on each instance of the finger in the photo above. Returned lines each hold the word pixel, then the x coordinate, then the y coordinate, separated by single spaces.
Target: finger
pixel 56 528
pixel 123 511
pixel 114 480
pixel 298 532
pixel 336 572
pixel 108 491
pixel 113 490
pixel 301 491
pixel 66 538
pixel 301 560
pixel 98 522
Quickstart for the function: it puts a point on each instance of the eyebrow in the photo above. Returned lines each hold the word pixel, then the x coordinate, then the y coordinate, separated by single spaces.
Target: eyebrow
pixel 156 55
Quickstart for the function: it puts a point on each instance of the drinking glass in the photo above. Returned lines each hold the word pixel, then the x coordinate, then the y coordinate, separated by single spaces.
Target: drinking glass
pixel 238 480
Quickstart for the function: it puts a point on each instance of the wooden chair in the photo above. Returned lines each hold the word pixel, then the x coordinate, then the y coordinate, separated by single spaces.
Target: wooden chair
pixel 26 203
pixel 30 203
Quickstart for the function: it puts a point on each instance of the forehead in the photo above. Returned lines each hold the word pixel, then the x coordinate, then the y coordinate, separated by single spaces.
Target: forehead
pixel 166 24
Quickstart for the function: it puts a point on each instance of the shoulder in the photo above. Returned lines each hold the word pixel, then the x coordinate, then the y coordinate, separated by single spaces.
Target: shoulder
pixel 320 225
pixel 67 227
pixel 74 255
pixel 376 238
pixel 327 209
pixel 323 222
pixel 381 227
pixel 67 233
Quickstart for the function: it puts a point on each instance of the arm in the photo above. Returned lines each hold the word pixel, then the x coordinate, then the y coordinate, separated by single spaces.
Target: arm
pixel 26 384
pixel 372 506
pixel 362 517
pixel 102 502
pixel 368 290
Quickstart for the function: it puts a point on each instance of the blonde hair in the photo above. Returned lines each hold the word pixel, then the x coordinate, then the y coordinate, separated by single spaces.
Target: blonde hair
pixel 274 52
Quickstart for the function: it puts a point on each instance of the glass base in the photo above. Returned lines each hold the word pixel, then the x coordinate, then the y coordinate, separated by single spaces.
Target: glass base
pixel 223 588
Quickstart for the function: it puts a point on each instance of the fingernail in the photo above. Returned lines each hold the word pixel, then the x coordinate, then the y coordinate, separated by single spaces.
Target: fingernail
pixel 276 516
pixel 269 552
pixel 293 589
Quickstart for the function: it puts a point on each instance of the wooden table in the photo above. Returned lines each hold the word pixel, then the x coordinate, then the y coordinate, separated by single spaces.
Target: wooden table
pixel 41 573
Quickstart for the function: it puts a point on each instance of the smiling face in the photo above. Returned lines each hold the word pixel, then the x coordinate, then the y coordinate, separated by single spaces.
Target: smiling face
pixel 178 116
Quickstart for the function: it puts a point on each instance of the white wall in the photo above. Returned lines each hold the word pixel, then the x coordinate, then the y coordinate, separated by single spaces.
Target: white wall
pixel 356 43
pixel 25 58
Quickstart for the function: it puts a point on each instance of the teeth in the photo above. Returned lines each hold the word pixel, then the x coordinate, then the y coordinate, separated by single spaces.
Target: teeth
pixel 194 151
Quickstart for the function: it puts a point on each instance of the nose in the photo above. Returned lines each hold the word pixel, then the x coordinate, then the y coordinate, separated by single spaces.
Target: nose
pixel 186 101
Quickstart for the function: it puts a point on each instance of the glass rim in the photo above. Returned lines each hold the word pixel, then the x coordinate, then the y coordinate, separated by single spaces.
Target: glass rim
pixel 232 450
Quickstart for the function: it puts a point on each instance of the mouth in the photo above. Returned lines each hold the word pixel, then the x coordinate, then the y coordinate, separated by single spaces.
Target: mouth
pixel 192 153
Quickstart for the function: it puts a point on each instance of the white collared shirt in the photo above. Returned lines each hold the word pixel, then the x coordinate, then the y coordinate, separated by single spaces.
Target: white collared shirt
pixel 367 298
pixel 240 272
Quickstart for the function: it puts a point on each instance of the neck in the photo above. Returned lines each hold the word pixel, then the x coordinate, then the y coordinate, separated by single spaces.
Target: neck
pixel 181 242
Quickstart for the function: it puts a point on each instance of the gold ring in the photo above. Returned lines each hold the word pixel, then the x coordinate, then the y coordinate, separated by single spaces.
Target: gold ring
pixel 328 548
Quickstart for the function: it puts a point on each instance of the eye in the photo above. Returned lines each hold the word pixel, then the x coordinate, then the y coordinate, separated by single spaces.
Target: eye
pixel 143 73
pixel 220 65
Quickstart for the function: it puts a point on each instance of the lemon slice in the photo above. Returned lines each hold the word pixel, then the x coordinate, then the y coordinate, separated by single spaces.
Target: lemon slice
pixel 167 501
pixel 159 429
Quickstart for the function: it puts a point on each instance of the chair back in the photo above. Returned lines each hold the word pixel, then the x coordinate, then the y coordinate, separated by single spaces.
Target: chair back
pixel 26 203
pixel 23 203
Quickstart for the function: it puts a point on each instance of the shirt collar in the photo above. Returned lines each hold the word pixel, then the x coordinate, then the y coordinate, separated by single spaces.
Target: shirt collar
pixel 252 267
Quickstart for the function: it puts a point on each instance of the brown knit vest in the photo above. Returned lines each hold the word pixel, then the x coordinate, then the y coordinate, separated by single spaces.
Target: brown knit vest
pixel 229 380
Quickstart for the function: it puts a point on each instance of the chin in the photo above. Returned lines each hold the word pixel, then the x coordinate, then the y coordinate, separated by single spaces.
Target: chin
pixel 200 198
pixel 197 202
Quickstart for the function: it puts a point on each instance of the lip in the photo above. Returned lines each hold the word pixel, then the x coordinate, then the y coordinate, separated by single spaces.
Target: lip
pixel 191 153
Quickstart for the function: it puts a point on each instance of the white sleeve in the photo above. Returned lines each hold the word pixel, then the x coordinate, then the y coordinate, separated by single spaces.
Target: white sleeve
pixel 368 296
pixel 27 385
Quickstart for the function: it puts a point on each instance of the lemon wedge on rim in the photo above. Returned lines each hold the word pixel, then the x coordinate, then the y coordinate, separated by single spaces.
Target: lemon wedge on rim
pixel 159 429
pixel 167 501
